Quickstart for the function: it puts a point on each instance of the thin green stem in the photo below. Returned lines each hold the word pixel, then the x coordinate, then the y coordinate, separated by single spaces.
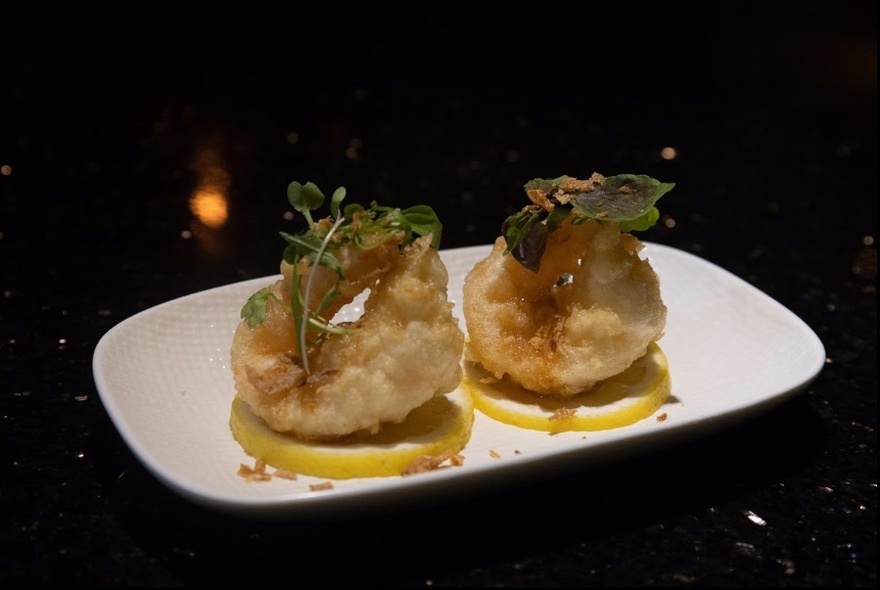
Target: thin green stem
pixel 303 346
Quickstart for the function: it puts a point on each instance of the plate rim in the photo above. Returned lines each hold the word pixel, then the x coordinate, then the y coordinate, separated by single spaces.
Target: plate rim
pixel 424 487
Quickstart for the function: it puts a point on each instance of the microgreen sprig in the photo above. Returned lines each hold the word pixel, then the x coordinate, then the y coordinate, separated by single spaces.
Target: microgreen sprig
pixel 365 228
pixel 627 199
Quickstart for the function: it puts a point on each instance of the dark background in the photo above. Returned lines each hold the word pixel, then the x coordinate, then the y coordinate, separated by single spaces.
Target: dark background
pixel 110 117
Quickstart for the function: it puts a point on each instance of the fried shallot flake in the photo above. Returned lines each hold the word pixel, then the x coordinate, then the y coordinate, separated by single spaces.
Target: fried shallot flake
pixel 430 463
pixel 562 413
pixel 320 487
pixel 258 472
pixel 255 473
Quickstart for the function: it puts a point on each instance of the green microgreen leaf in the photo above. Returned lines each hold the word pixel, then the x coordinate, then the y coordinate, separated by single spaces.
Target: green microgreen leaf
pixel 626 199
pixel 556 217
pixel 424 222
pixel 350 225
pixel 544 184
pixel 309 246
pixel 642 223
pixel 305 198
pixel 531 245
pixel 351 210
pixel 337 197
pixel 526 237
pixel 254 309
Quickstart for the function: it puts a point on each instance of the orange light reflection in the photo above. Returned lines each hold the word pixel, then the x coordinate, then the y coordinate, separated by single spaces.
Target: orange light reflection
pixel 209 201
pixel 210 207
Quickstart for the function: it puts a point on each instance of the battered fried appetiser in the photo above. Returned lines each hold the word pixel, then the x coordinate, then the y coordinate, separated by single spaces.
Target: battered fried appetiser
pixel 564 300
pixel 317 380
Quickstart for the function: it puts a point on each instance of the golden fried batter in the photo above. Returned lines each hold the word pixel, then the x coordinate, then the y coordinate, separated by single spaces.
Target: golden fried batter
pixel 404 349
pixel 588 313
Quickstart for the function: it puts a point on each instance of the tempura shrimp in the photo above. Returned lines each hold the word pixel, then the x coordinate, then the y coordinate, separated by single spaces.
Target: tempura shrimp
pixel 586 315
pixel 403 350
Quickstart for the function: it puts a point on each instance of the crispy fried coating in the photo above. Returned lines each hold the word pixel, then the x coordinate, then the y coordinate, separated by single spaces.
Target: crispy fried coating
pixel 404 349
pixel 587 314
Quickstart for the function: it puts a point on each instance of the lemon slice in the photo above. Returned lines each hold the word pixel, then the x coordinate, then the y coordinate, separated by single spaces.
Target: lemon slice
pixel 619 401
pixel 442 425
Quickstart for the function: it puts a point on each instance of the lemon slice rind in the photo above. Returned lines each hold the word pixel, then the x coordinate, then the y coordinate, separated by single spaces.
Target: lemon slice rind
pixel 619 401
pixel 441 425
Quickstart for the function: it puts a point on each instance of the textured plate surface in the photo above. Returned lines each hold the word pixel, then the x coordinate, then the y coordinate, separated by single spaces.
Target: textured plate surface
pixel 163 376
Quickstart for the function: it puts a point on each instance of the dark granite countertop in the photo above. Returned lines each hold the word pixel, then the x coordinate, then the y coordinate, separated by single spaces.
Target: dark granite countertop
pixel 108 120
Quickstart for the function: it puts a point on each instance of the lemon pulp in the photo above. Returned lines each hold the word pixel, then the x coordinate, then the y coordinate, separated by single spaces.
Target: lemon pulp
pixel 442 424
pixel 619 401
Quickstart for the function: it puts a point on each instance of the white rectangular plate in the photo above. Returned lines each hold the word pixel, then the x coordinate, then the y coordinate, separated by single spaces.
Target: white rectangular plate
pixel 164 378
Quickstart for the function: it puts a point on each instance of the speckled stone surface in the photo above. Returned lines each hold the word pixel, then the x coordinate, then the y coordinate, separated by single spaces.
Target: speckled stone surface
pixel 109 122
